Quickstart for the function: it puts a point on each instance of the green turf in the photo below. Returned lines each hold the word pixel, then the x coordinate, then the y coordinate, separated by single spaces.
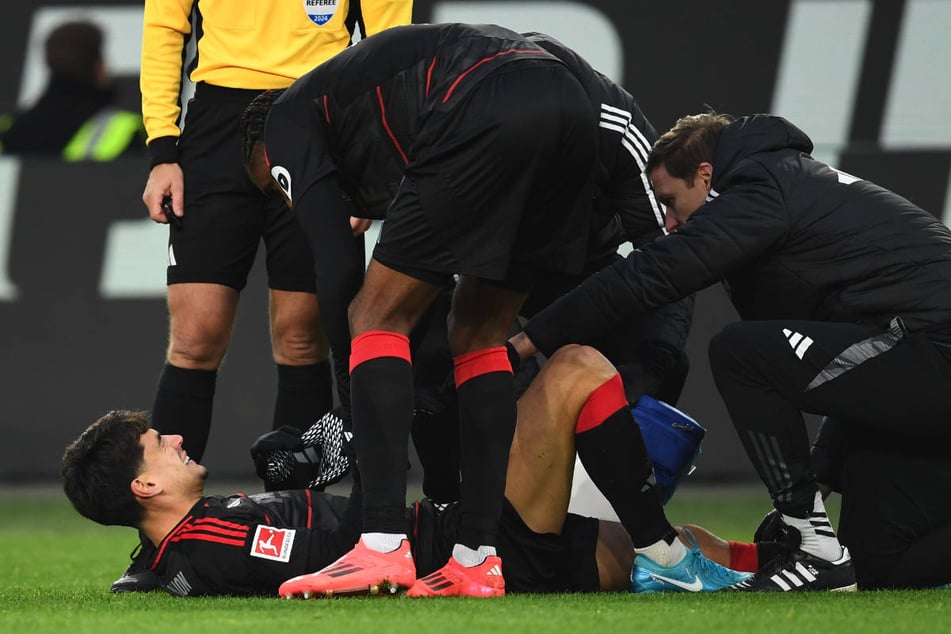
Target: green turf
pixel 55 570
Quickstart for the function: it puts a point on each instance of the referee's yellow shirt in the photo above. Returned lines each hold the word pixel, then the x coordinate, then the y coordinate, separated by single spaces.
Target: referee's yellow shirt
pixel 255 44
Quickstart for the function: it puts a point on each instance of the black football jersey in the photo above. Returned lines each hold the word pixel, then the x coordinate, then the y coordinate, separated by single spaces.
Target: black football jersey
pixel 249 545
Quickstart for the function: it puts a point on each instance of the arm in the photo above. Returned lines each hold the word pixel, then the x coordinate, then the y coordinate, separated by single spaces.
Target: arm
pixel 660 365
pixel 166 28
pixel 724 235
pixel 379 15
pixel 340 264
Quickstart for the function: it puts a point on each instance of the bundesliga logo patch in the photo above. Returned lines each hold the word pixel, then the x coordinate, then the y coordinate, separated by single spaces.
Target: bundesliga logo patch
pixel 320 11
pixel 273 543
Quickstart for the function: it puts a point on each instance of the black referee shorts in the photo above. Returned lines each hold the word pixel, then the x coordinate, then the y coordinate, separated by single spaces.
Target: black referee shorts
pixel 226 216
pixel 531 562
pixel 499 184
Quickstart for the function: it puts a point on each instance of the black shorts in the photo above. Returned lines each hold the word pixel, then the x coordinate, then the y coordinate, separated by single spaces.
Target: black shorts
pixel 226 216
pixel 499 184
pixel 531 562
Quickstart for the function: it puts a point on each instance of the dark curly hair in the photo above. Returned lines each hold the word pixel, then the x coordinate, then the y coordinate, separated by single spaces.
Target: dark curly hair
pixel 251 125
pixel 99 467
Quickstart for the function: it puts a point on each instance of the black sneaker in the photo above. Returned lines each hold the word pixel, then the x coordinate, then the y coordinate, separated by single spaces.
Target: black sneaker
pixel 799 572
pixel 137 577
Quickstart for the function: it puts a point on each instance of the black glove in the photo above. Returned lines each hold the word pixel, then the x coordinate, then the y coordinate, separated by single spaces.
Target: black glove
pixel 320 456
pixel 273 453
pixel 331 436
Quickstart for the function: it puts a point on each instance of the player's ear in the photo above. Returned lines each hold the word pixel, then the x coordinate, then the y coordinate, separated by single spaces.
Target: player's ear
pixel 143 487
pixel 705 172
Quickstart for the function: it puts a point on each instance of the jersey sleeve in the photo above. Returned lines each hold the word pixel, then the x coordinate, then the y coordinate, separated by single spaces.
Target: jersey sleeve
pixel 339 259
pixel 298 152
pixel 379 15
pixel 166 29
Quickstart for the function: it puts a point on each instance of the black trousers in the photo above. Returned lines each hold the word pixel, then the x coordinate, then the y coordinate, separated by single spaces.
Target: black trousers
pixel 768 372
pixel 895 517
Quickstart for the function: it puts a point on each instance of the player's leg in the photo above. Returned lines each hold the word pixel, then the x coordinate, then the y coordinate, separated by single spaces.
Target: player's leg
pixel 541 458
pixel 201 321
pixel 381 317
pixel 769 372
pixel 479 321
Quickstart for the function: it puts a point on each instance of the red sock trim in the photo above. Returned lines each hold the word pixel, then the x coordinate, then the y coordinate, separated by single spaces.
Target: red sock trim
pixel 375 344
pixel 473 364
pixel 601 404
pixel 744 557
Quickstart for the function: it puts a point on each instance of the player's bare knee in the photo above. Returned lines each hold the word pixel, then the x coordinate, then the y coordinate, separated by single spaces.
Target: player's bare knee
pixel 197 350
pixel 299 347
pixel 196 355
pixel 583 362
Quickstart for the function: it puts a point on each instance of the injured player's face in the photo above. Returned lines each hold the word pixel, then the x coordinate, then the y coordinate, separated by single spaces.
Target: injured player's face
pixel 167 466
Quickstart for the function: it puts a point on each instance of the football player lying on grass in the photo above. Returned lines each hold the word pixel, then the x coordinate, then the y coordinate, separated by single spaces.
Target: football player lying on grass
pixel 120 471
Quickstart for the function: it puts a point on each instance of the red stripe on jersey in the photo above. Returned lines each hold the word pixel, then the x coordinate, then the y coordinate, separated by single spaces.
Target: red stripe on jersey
pixel 386 126
pixel 473 364
pixel 375 344
pixel 604 401
pixel 222 523
pixel 214 530
pixel 310 507
pixel 168 538
pixel 326 110
pixel 201 537
pixel 429 75
pixel 483 61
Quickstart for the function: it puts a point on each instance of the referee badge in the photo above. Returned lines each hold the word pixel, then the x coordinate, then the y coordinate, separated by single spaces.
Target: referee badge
pixel 273 543
pixel 320 11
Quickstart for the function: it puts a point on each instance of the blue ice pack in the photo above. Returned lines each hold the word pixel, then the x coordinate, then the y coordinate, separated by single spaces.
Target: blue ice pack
pixel 672 439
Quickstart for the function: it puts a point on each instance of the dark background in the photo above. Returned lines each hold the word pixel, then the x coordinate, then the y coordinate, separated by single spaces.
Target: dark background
pixel 68 353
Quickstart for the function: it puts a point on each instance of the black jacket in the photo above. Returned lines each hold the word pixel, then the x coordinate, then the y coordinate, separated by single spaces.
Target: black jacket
pixel 792 238
pixel 51 122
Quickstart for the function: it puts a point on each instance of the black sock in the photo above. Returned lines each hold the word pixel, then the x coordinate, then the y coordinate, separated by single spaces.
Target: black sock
pixel 486 394
pixel 183 404
pixel 381 381
pixel 612 450
pixel 304 394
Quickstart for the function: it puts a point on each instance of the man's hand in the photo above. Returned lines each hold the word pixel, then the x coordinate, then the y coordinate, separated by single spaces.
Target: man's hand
pixel 165 179
pixel 523 346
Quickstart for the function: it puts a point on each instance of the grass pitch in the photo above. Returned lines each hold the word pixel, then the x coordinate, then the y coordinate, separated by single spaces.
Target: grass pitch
pixel 56 567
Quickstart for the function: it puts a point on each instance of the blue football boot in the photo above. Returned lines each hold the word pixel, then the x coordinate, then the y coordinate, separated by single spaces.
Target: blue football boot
pixel 694 573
